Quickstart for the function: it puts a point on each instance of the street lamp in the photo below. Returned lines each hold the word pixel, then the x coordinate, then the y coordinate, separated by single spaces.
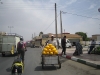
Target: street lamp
pixel 61 21
pixel 85 38
pixel 10 28
pixel 99 9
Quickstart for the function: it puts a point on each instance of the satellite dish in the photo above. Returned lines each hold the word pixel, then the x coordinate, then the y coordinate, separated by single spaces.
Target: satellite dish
pixel 99 9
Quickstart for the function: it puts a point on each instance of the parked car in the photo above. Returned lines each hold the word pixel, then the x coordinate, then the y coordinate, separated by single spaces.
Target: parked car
pixel 68 44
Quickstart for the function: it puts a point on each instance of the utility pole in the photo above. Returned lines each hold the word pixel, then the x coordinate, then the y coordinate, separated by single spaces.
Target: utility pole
pixel 61 23
pixel 56 24
pixel 64 32
pixel 10 28
pixel 32 36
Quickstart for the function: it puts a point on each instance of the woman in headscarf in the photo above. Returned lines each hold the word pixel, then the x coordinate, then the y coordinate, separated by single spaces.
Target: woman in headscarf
pixel 79 48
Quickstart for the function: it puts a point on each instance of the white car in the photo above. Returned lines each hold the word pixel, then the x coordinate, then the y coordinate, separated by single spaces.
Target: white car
pixel 68 44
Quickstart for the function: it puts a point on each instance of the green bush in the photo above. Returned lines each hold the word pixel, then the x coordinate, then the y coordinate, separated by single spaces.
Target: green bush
pixel 97 51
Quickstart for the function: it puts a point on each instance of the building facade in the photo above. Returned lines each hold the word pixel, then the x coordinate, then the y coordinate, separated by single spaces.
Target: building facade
pixel 71 37
pixel 96 37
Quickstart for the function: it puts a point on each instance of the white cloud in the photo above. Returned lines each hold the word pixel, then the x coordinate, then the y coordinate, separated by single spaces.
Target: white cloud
pixel 67 3
pixel 92 6
pixel 70 2
pixel 28 17
pixel 25 17
pixel 89 26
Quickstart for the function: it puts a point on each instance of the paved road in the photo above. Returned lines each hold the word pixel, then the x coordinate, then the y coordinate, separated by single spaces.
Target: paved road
pixel 33 66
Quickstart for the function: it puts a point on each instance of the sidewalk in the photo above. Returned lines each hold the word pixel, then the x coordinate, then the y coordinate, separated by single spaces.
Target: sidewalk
pixel 88 59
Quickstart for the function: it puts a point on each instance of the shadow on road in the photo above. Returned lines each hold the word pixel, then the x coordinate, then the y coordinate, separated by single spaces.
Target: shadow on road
pixel 8 69
pixel 46 68
pixel 9 55
pixel 62 59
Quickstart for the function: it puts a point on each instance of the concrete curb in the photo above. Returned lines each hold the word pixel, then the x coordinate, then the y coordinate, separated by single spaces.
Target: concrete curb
pixel 82 61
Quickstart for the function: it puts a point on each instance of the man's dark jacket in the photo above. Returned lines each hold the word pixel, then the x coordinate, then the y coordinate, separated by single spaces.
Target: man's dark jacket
pixel 63 42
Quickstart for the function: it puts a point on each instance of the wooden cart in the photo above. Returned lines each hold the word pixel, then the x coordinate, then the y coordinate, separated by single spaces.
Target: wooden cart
pixel 50 60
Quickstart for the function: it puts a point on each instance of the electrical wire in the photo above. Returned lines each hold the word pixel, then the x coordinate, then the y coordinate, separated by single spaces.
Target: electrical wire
pixel 82 16
pixel 51 23
pixel 46 8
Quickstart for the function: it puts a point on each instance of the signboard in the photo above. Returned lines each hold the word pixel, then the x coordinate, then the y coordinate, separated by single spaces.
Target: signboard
pixel 45 36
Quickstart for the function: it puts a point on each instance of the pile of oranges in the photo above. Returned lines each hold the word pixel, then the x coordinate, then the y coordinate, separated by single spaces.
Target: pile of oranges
pixel 49 50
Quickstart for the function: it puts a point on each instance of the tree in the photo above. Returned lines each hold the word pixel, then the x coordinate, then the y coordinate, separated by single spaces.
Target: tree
pixel 40 33
pixel 84 35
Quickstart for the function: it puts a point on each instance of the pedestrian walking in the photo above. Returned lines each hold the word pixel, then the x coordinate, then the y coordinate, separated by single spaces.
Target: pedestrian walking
pixel 92 46
pixel 63 44
pixel 21 48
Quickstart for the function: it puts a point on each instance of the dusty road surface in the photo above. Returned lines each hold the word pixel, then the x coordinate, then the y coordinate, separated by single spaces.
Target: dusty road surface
pixel 33 66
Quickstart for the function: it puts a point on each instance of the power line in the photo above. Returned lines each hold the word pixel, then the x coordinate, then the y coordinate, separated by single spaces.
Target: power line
pixel 50 24
pixel 29 8
pixel 36 6
pixel 82 16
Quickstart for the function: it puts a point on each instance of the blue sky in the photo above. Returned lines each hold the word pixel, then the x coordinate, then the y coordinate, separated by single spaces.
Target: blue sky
pixel 32 16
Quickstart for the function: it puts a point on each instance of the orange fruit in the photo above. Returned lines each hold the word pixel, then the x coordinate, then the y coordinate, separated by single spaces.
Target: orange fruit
pixel 43 52
pixel 52 47
pixel 51 53
pixel 47 52
pixel 47 47
pixel 56 52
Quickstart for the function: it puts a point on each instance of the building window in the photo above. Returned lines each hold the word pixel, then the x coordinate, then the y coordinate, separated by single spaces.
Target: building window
pixel 45 36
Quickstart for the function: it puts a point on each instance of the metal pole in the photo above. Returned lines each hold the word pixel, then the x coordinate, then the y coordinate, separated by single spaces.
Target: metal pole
pixel 61 23
pixel 32 36
pixel 64 32
pixel 56 24
pixel 10 29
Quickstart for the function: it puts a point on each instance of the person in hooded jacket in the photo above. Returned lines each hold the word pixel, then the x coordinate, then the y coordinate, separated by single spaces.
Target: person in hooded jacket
pixel 63 44
pixel 21 48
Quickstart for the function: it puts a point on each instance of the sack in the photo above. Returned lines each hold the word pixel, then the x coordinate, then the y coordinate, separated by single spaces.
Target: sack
pixel 17 65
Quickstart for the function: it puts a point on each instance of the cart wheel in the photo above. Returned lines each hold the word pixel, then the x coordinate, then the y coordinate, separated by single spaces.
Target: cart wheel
pixel 19 74
pixel 3 54
pixel 59 65
pixel 42 66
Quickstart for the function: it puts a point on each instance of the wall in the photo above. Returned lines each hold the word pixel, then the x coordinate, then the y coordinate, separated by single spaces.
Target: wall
pixel 85 42
pixel 94 37
pixel 98 38
pixel 88 42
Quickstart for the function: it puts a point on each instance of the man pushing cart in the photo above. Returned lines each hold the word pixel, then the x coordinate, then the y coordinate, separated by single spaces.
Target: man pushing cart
pixel 50 54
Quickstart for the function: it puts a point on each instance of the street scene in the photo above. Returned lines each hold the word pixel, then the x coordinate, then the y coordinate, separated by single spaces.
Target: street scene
pixel 48 37
pixel 33 65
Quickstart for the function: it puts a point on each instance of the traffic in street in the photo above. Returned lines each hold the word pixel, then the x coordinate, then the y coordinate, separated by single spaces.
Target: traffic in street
pixel 33 65
pixel 49 37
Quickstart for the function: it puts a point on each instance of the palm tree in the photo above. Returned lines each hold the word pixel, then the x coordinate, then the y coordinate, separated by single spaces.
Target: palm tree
pixel 40 33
